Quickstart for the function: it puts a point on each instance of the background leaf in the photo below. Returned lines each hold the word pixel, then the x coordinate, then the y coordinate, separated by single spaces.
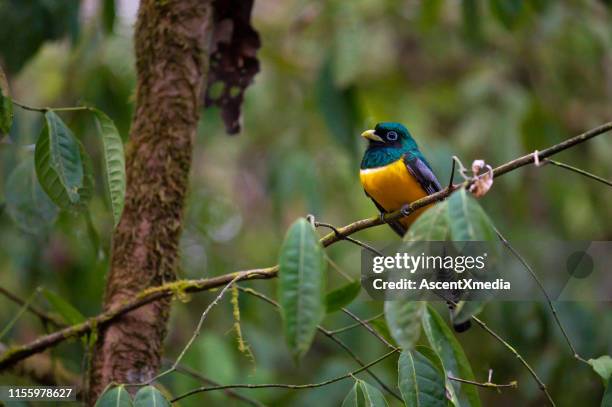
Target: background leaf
pixel 421 381
pixel 114 162
pixel 453 358
pixel 70 314
pixel 404 321
pixel 115 397
pixel 341 297
pixel 301 286
pixel 26 202
pixel 149 396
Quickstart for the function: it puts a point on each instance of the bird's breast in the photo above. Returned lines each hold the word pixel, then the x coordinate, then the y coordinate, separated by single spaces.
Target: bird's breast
pixel 391 186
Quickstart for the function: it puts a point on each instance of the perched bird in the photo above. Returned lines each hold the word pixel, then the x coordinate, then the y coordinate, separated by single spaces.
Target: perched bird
pixel 395 173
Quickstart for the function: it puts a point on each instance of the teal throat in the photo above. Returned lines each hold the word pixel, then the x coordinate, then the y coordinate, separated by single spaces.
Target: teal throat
pixel 381 155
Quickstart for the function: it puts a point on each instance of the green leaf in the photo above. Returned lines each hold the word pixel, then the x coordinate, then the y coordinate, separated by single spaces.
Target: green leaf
pixel 421 381
pixel 26 202
pixel 468 222
pixel 301 286
pixel 404 321
pixel 453 358
pixel 372 396
pixel 603 366
pixel 70 314
pixel 114 162
pixel 354 398
pixel 149 396
pixel 63 167
pixel 363 394
pixel 115 397
pixel 341 297
pixel 432 225
pixel 606 401
pixel 6 106
pixel 465 309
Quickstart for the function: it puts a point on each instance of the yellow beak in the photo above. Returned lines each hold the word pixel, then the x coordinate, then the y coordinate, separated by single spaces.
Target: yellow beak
pixel 370 135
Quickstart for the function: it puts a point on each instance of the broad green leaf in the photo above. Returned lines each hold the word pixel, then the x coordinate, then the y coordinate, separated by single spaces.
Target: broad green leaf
pixel 54 174
pixel 114 162
pixel 421 380
pixel 26 203
pixel 149 396
pixel 70 314
pixel 432 225
pixel 6 106
pixel 603 366
pixel 453 358
pixel 372 396
pixel 65 155
pixel 301 286
pixel 606 401
pixel 354 398
pixel 115 397
pixel 363 394
pixel 341 297
pixel 467 220
pixel 404 321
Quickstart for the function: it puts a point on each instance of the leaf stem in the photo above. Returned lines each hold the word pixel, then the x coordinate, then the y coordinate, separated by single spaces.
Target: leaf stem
pixel 578 171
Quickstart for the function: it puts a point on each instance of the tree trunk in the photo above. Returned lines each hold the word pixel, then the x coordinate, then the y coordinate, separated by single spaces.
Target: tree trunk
pixel 171 45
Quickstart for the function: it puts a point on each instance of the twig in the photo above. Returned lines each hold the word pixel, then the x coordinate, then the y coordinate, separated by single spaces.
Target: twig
pixel 352 326
pixel 367 326
pixel 205 380
pixel 330 335
pixel 45 317
pixel 348 238
pixel 579 171
pixel 283 385
pixel 47 109
pixel 452 176
pixel 513 383
pixel 535 277
pixel 196 332
pixel 153 294
pixel 24 307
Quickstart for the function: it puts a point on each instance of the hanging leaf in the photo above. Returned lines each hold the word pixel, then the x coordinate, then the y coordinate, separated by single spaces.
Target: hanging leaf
pixel 59 165
pixel 464 311
pixel 114 162
pixel 6 106
pixel 26 202
pixel 453 358
pixel 363 394
pixel 114 397
pixel 603 366
pixel 421 381
pixel 70 314
pixel 468 222
pixel 606 401
pixel 149 396
pixel 404 320
pixel 432 225
pixel 343 296
pixel 301 287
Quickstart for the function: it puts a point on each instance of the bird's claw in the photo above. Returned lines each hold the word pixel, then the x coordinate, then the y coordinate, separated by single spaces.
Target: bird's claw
pixel 405 211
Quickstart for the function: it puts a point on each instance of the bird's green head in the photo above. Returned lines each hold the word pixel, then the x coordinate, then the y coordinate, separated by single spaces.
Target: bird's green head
pixel 386 144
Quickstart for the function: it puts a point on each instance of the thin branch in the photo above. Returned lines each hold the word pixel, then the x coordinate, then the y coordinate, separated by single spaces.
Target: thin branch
pixel 283 385
pixel 512 384
pixel 579 171
pixel 187 371
pixel 348 238
pixel 24 307
pixel 355 325
pixel 535 277
pixel 452 176
pixel 42 315
pixel 369 328
pixel 47 109
pixel 197 331
pixel 330 335
pixel 155 293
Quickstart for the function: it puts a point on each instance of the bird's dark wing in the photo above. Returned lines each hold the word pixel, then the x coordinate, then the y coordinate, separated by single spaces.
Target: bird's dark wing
pixel 422 173
pixel 395 225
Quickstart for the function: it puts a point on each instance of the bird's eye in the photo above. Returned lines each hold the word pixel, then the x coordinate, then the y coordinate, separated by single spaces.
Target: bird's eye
pixel 391 136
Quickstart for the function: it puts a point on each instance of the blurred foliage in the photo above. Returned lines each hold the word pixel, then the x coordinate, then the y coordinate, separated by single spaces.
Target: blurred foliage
pixel 491 80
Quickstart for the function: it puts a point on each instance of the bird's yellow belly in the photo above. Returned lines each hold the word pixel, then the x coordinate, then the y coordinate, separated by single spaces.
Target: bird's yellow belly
pixel 392 186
